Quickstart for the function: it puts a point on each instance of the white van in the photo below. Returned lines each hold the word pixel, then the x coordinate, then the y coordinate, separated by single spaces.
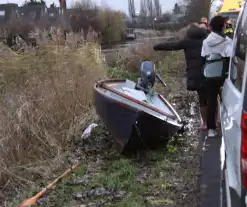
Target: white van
pixel 234 119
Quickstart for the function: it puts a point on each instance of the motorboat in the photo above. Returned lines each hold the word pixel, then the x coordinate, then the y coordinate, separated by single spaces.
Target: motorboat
pixel 136 115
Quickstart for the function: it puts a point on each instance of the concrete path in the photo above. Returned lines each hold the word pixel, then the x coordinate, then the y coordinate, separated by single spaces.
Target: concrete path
pixel 210 171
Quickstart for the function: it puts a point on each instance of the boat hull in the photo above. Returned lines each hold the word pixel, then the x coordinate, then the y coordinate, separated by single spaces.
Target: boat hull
pixel 131 128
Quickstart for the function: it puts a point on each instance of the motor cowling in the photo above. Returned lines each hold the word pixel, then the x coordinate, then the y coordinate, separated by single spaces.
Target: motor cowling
pixel 147 76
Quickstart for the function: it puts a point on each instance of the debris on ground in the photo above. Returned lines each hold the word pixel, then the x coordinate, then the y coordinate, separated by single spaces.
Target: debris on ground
pixel 88 131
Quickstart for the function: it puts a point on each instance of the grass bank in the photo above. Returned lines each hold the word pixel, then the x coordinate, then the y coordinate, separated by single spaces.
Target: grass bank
pixel 165 177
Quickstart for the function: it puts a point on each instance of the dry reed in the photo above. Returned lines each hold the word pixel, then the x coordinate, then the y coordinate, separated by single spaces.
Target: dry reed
pixel 45 95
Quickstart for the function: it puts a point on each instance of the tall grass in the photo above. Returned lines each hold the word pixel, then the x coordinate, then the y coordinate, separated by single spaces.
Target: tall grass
pixel 44 97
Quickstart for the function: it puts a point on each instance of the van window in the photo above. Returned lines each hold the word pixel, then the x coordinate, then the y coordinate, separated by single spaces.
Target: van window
pixel 231 15
pixel 2 13
pixel 238 60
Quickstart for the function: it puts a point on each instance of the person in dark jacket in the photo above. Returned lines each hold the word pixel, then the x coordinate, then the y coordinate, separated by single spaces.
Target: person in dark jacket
pixel 192 45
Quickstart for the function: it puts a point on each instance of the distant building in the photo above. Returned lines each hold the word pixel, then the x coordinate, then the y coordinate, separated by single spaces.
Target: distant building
pixel 8 12
pixel 53 13
pixel 32 12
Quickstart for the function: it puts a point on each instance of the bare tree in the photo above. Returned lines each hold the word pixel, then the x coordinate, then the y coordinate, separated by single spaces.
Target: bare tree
pixel 83 4
pixel 150 8
pixel 157 8
pixel 195 9
pixel 176 9
pixel 143 8
pixel 131 5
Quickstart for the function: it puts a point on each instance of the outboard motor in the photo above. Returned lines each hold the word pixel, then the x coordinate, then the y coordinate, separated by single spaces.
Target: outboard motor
pixel 147 79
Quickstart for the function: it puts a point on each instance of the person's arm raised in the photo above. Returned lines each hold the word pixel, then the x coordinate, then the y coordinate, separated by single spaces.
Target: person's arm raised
pixel 169 46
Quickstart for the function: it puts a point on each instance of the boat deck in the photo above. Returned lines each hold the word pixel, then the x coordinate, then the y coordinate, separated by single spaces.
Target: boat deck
pixel 128 88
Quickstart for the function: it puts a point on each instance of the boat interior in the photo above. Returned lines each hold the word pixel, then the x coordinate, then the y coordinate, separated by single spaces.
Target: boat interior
pixel 125 92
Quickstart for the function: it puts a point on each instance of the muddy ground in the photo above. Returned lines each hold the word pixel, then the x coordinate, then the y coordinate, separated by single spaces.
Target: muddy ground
pixel 164 177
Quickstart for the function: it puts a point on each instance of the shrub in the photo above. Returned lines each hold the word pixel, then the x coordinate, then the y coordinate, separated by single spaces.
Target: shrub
pixel 127 64
pixel 107 22
pixel 112 26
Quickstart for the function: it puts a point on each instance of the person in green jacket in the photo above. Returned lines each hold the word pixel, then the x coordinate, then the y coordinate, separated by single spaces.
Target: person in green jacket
pixel 229 29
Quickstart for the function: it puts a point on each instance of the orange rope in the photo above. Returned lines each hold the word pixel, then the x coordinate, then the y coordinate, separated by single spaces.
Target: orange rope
pixel 32 201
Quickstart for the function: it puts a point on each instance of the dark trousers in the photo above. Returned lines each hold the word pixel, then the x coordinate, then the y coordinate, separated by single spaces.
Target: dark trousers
pixel 203 96
pixel 213 92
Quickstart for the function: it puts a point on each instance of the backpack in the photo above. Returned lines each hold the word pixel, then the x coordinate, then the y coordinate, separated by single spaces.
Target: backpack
pixel 216 67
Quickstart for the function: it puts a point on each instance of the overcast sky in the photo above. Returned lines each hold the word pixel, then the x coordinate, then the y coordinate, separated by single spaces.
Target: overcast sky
pixel 116 4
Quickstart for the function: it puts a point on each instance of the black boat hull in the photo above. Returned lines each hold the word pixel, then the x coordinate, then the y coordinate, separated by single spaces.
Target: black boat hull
pixel 131 128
